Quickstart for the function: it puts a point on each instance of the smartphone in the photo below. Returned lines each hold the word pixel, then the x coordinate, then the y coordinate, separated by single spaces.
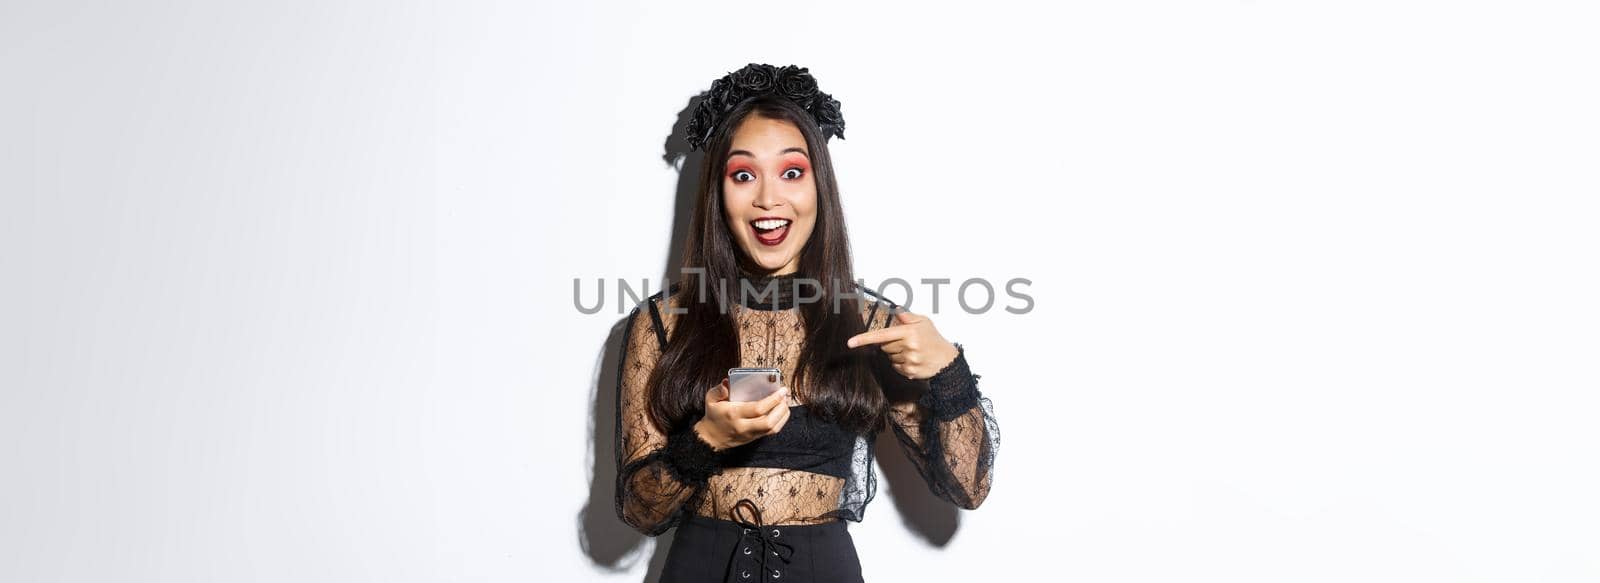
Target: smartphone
pixel 753 384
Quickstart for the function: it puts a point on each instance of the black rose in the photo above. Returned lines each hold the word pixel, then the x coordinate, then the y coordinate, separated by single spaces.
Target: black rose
pixel 723 95
pixel 826 110
pixel 700 126
pixel 718 87
pixel 795 84
pixel 730 99
pixel 755 78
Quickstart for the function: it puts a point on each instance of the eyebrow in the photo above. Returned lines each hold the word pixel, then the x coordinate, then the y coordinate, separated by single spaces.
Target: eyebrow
pixel 802 152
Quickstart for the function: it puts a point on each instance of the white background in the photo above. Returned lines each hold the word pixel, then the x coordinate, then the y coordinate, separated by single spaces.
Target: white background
pixel 288 286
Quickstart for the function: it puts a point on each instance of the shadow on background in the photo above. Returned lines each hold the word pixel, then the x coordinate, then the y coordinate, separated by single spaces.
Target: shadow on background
pixel 614 546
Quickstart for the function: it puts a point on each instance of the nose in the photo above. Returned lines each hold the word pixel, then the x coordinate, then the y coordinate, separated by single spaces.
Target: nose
pixel 767 196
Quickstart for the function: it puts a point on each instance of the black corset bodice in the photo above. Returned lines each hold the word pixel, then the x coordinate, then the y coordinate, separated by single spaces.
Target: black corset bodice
pixel 807 443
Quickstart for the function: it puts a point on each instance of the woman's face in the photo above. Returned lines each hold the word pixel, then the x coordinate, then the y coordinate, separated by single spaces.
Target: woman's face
pixel 768 194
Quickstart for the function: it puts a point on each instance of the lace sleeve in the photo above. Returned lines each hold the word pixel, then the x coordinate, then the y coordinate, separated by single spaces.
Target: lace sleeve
pixel 656 472
pixel 949 432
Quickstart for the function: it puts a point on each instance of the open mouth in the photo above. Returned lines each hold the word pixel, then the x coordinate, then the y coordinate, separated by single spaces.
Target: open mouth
pixel 770 231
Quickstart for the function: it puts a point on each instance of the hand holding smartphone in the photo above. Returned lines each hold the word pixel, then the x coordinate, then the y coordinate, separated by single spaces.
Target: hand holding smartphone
pixel 747 405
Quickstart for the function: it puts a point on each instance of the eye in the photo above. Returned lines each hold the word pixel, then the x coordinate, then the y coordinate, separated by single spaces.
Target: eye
pixel 797 173
pixel 737 173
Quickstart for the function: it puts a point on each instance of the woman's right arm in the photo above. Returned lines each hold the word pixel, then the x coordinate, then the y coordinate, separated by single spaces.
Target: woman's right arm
pixel 656 473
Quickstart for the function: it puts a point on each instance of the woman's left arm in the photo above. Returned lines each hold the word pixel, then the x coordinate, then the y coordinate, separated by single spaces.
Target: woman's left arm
pixel 949 432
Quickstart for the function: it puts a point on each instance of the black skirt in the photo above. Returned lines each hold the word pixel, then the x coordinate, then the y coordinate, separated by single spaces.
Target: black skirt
pixel 707 550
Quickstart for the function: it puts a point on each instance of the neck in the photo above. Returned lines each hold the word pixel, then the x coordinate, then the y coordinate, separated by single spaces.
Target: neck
pixel 747 269
pixel 766 291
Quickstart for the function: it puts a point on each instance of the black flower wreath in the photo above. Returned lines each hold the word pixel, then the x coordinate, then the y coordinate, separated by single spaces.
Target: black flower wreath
pixel 756 80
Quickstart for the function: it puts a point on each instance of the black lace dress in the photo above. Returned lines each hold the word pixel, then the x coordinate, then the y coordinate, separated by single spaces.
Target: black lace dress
pixel 778 505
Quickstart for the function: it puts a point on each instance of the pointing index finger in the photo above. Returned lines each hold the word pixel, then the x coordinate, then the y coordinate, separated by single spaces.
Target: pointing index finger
pixel 878 336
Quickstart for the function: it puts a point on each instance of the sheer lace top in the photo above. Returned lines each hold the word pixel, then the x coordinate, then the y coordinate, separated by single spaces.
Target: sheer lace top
pixel 812 470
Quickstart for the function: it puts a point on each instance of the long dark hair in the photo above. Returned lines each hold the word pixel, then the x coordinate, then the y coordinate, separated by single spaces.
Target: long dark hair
pixel 704 342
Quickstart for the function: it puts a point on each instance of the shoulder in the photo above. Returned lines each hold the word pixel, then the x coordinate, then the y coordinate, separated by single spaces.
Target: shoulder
pixel 876 310
pixel 661 309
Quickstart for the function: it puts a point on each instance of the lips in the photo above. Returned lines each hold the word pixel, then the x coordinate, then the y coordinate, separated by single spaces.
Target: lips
pixel 770 231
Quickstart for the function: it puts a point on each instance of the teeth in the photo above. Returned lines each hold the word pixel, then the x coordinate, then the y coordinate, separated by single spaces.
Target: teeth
pixel 770 224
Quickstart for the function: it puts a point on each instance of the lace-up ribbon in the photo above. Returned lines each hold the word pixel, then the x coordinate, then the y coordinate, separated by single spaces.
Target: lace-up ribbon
pixel 756 533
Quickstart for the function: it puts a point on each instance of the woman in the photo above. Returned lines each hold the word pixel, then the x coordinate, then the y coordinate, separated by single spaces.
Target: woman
pixel 761 490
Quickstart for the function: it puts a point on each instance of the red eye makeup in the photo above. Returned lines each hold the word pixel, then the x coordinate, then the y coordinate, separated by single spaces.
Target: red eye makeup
pixel 789 162
pixel 797 160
